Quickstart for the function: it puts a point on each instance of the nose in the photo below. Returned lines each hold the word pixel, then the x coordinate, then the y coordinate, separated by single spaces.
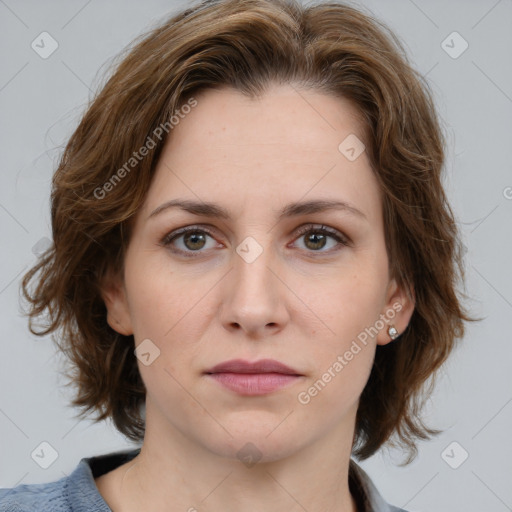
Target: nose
pixel 254 294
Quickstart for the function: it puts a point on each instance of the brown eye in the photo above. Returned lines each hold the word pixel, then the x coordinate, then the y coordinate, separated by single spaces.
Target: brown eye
pixel 316 238
pixel 188 241
pixel 315 241
pixel 194 240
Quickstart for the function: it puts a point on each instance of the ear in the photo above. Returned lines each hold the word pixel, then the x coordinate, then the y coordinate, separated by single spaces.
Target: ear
pixel 397 311
pixel 113 293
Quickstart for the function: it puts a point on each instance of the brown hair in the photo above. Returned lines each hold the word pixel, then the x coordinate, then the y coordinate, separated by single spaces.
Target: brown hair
pixel 248 45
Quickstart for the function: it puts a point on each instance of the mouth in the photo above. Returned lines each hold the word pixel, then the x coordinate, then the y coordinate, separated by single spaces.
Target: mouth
pixel 257 367
pixel 252 379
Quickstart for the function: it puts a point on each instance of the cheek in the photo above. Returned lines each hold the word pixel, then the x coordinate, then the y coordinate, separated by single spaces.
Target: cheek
pixel 162 300
pixel 350 301
pixel 344 347
pixel 343 354
pixel 172 310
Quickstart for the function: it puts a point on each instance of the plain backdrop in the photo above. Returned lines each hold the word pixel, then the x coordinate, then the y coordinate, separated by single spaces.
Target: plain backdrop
pixel 41 100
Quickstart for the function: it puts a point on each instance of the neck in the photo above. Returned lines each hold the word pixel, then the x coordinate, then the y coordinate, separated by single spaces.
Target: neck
pixel 175 473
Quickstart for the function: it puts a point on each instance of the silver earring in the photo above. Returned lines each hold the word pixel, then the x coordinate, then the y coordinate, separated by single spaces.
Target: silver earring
pixel 393 333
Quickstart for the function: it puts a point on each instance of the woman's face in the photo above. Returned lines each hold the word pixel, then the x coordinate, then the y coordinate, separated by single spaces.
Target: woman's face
pixel 252 285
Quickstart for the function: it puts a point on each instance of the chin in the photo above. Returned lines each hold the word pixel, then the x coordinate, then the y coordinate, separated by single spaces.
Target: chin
pixel 253 443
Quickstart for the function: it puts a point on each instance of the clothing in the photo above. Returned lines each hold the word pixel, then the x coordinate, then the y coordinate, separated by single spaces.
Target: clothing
pixel 78 492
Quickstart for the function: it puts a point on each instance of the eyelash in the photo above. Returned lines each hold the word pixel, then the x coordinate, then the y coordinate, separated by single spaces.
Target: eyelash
pixel 310 228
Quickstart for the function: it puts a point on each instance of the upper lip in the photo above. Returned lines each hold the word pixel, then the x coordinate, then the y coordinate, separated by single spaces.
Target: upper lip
pixel 261 366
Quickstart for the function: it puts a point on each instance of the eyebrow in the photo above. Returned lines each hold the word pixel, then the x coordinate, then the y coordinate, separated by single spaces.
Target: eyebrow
pixel 208 209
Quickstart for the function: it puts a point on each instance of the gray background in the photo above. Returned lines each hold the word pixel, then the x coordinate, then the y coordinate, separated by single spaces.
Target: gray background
pixel 40 101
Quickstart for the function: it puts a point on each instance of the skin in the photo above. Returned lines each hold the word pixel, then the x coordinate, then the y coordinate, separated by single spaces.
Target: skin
pixel 300 302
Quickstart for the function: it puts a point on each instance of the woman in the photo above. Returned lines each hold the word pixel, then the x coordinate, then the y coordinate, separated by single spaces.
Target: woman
pixel 254 265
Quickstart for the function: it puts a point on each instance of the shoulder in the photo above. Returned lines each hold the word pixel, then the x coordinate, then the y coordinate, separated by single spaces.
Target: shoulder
pixel 29 497
pixel 76 492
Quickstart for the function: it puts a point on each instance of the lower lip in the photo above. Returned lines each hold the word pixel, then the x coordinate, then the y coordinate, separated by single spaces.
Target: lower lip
pixel 251 384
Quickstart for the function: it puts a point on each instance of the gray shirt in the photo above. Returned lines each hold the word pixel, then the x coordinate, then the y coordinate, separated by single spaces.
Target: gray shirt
pixel 78 492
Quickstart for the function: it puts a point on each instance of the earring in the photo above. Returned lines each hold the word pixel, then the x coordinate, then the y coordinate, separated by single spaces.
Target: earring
pixel 393 333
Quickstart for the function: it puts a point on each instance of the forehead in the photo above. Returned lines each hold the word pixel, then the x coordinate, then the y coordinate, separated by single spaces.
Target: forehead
pixel 281 146
pixel 284 115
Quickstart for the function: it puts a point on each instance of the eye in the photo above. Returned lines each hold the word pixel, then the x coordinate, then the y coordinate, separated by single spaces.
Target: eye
pixel 317 237
pixel 193 239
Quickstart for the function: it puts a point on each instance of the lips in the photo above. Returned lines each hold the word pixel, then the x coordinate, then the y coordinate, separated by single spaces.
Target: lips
pixel 261 366
pixel 253 379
